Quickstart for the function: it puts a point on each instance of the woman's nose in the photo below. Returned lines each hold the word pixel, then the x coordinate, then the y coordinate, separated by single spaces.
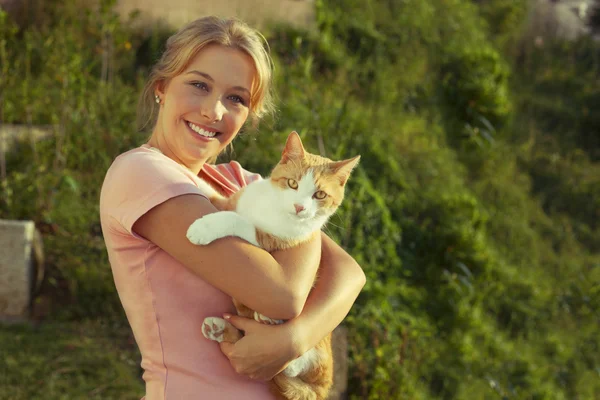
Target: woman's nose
pixel 213 110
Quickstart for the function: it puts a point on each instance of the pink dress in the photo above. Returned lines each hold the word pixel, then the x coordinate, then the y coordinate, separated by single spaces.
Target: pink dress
pixel 164 301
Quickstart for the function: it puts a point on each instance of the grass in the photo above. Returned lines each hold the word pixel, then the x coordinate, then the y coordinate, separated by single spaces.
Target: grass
pixel 94 359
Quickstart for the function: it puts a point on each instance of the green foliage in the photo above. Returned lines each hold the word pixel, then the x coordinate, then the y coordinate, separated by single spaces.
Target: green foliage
pixel 481 255
pixel 475 90
pixel 505 20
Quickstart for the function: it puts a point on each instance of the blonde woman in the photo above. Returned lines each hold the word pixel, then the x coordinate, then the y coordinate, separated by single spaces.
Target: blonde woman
pixel 214 75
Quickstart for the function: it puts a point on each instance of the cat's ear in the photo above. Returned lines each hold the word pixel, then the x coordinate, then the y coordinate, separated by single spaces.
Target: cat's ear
pixel 293 148
pixel 342 169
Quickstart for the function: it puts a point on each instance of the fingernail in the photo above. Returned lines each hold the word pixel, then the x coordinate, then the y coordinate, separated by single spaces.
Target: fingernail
pixel 226 316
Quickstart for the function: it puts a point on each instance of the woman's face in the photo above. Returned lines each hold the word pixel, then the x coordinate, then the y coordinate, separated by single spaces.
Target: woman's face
pixel 204 107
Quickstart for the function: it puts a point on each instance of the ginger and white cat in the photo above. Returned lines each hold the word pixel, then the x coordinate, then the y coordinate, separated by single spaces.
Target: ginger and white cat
pixel 280 212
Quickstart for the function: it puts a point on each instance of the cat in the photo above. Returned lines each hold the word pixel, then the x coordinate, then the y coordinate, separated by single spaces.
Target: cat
pixel 282 211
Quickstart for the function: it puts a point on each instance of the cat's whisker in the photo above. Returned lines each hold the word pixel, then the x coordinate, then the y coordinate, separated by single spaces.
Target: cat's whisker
pixel 337 226
pixel 327 232
pixel 338 216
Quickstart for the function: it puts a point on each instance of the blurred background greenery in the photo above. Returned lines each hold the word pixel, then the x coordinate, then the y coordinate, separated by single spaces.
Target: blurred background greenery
pixel 474 212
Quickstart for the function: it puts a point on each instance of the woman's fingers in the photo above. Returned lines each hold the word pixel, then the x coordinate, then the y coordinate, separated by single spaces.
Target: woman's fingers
pixel 262 352
pixel 227 348
pixel 242 323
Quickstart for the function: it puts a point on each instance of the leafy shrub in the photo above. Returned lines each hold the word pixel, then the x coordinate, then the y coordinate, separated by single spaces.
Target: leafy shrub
pixel 474 83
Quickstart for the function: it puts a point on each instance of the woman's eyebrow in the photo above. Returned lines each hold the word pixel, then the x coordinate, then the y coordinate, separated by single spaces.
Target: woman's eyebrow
pixel 208 77
pixel 203 74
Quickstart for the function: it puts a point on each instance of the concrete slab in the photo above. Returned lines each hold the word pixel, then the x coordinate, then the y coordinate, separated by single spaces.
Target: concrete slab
pixel 20 251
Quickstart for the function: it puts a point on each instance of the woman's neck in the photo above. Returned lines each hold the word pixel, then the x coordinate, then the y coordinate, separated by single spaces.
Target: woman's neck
pixel 158 144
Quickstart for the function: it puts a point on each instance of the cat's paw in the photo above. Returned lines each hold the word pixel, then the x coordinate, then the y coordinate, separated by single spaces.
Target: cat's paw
pixel 213 328
pixel 266 320
pixel 219 330
pixel 203 231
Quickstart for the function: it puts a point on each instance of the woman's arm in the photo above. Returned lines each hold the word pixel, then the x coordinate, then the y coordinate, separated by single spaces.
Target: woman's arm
pixel 243 271
pixel 266 349
pixel 306 258
pixel 339 283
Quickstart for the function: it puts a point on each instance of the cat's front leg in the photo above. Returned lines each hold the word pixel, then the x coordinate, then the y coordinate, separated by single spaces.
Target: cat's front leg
pixel 221 224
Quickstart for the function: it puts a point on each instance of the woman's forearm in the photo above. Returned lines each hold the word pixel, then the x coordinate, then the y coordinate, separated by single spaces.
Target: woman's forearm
pixel 339 283
pixel 299 265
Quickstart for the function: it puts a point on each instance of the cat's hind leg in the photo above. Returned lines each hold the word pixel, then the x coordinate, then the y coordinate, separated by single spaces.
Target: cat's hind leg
pixel 219 330
pixel 242 310
pixel 266 320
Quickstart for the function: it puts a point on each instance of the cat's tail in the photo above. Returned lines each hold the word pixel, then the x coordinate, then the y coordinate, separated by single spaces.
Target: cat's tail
pixel 286 388
pixel 315 388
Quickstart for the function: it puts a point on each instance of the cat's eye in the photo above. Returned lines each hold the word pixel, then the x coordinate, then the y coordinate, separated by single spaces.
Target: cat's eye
pixel 293 184
pixel 320 195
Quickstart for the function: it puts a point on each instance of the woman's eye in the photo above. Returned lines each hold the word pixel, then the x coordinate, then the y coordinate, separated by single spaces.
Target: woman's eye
pixel 293 184
pixel 320 195
pixel 200 85
pixel 238 99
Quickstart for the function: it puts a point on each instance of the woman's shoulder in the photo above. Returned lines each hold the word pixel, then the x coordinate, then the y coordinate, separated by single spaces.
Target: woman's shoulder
pixel 139 180
pixel 147 162
pixel 142 170
pixel 135 157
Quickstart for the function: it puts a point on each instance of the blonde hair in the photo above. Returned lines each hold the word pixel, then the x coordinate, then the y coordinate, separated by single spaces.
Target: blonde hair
pixel 185 44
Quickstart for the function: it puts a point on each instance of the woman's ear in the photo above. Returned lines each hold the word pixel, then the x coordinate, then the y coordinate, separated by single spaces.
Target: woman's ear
pixel 160 88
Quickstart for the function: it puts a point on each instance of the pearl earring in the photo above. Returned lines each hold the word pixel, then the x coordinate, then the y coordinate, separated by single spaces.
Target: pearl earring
pixel 157 99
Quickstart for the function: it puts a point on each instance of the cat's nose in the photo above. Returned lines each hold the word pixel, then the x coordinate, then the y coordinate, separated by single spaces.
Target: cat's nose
pixel 298 208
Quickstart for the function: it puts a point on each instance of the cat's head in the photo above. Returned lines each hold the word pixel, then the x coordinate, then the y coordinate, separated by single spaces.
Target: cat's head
pixel 312 187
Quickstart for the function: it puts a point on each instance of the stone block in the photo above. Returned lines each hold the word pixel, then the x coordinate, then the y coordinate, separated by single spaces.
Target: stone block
pixel 21 263
pixel 12 135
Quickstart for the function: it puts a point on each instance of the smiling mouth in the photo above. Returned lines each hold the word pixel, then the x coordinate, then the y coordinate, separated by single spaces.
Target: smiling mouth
pixel 202 132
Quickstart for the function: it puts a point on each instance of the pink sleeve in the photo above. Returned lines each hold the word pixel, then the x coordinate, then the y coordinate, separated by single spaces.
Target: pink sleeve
pixel 234 172
pixel 251 176
pixel 137 182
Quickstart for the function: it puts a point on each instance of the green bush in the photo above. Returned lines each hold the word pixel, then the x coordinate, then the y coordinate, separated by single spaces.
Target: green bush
pixel 474 83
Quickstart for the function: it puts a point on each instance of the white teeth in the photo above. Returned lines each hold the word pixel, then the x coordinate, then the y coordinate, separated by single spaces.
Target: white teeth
pixel 201 131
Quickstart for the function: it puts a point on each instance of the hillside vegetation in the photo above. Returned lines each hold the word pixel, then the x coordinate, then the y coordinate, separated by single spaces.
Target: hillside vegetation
pixel 474 212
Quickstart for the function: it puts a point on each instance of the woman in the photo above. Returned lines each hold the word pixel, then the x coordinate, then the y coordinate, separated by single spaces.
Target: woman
pixel 213 75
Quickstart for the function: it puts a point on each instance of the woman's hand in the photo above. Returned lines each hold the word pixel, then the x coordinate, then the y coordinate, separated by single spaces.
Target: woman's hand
pixel 264 351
